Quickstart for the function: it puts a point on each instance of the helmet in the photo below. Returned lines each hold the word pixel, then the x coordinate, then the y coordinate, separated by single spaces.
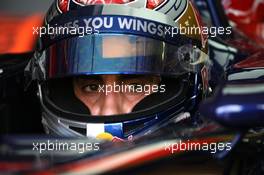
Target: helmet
pixel 160 44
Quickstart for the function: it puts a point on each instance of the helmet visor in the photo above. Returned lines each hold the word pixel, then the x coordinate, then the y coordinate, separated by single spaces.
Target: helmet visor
pixel 119 54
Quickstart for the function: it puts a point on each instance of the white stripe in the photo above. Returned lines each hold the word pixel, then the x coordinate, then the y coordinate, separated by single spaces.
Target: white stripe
pixel 243 89
pixel 92 130
pixel 249 74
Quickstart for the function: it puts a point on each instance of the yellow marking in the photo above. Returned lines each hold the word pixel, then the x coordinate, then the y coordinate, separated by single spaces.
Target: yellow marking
pixel 105 136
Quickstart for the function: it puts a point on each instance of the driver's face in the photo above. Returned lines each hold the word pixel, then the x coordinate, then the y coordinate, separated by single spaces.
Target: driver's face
pixel 89 91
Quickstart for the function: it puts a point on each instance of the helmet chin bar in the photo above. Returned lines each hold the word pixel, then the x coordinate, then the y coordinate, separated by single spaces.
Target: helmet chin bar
pixel 54 126
pixel 61 127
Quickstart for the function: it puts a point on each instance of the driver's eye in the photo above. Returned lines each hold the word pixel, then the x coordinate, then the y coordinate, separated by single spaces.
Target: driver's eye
pixel 91 88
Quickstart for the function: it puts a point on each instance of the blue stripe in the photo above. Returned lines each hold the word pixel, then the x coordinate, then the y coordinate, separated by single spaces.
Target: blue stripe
pixel 116 129
pixel 153 30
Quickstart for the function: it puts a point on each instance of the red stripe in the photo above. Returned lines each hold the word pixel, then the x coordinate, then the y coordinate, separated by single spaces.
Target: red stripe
pixel 15 166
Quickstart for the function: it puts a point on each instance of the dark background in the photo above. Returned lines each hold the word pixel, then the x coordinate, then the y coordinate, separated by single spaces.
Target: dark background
pixel 24 7
pixel 19 107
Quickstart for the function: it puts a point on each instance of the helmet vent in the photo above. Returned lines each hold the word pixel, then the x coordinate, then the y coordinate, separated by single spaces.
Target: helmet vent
pixel 79 130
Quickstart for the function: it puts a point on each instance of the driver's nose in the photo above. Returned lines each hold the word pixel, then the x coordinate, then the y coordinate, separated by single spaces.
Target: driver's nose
pixel 110 104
